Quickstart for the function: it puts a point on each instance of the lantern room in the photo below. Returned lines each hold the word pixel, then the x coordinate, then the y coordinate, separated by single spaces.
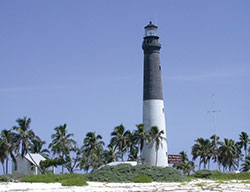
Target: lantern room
pixel 151 30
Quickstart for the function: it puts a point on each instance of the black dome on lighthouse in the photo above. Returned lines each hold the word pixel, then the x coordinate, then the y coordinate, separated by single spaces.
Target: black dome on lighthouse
pixel 150 25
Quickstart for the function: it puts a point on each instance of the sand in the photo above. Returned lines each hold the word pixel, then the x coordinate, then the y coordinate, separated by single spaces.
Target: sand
pixel 195 185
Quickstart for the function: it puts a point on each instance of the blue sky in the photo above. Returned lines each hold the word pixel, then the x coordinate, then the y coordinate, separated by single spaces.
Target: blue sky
pixel 81 63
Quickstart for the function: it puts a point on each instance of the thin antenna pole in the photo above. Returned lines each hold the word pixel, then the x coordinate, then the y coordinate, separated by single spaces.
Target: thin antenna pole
pixel 214 111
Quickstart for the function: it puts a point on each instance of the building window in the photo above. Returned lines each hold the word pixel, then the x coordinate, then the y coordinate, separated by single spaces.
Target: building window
pixel 15 166
pixel 159 67
pixel 162 110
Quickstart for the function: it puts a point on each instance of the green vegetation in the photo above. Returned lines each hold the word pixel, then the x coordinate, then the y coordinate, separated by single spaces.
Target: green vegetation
pixel 200 185
pixel 142 179
pixel 246 182
pixel 229 155
pixel 226 154
pixel 74 182
pixel 65 179
pixel 126 173
pixel 230 176
pixel 42 178
pixel 204 174
pixel 10 178
pixel 185 166
pixel 217 175
pixel 21 139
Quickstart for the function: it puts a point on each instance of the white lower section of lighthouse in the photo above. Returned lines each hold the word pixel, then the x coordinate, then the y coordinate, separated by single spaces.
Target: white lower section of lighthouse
pixel 154 115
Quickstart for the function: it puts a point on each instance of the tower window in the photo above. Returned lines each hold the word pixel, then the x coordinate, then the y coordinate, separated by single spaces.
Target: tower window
pixel 163 110
pixel 159 67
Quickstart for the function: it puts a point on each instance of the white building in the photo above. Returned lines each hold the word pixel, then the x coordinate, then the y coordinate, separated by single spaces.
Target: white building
pixel 27 165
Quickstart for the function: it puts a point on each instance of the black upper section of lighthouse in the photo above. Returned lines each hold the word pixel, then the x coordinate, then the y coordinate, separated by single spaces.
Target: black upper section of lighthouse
pixel 152 87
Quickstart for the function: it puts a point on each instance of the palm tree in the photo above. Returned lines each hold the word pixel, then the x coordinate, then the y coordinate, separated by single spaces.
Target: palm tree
pixel 156 139
pixel 93 142
pixel 184 156
pixel 185 166
pixel 62 142
pixel 141 136
pixel 246 164
pixel 110 155
pixel 24 134
pixel 7 147
pixel 229 154
pixel 130 146
pixel 3 156
pixel 244 141
pixel 93 148
pixel 202 149
pixel 84 163
pixel 36 146
pixel 71 162
pixel 119 139
pixel 214 147
pixel 133 154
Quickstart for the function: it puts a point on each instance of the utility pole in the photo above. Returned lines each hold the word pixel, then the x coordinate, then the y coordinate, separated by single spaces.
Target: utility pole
pixel 214 111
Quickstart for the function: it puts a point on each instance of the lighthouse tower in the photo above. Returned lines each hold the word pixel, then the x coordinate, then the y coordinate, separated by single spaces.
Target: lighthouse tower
pixel 153 105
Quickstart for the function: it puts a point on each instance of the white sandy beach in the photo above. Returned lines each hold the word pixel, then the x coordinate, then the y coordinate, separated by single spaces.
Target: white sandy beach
pixel 195 185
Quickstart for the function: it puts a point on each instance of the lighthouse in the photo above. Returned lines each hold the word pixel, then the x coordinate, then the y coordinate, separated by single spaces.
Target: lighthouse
pixel 153 104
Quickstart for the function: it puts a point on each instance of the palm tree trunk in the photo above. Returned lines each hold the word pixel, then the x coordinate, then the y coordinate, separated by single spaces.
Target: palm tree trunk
pixel 122 156
pixel 7 161
pixel 3 168
pixel 217 161
pixel 156 158
pixel 200 164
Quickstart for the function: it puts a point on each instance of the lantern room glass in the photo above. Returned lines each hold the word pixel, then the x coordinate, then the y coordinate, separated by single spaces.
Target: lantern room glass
pixel 151 31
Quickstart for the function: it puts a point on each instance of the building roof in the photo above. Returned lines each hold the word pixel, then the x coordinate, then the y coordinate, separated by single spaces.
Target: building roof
pixel 133 163
pixel 36 157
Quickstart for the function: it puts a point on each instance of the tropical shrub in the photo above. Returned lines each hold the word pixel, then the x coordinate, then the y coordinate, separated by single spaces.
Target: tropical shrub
pixel 207 174
pixel 10 178
pixel 74 182
pixel 142 179
pixel 126 173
